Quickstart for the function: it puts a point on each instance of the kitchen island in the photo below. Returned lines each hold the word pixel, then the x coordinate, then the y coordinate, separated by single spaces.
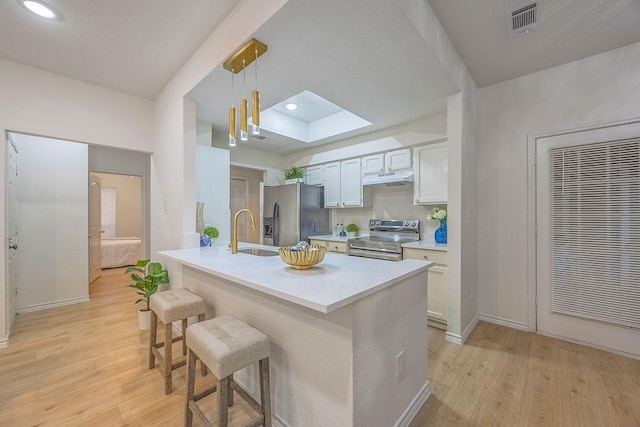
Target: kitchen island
pixel 349 338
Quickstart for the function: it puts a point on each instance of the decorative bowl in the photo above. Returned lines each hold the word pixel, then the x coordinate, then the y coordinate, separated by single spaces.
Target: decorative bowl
pixel 302 260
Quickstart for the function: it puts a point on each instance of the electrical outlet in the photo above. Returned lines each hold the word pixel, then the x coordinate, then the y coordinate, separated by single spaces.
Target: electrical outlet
pixel 400 364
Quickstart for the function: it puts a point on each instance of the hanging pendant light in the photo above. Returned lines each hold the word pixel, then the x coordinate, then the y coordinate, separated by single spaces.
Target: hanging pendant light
pixel 232 118
pixel 244 130
pixel 255 103
pixel 237 62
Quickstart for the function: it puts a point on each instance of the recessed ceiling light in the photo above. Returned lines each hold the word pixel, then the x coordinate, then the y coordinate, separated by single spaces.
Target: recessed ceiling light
pixel 291 106
pixel 39 9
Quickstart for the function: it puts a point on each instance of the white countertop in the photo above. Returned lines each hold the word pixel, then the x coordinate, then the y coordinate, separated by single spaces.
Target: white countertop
pixel 336 282
pixel 332 238
pixel 423 244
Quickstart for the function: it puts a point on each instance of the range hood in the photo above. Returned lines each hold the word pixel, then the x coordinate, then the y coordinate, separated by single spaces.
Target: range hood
pixel 389 179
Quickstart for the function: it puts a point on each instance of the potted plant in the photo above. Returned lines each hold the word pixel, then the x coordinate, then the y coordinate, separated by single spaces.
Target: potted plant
pixel 147 276
pixel 293 174
pixel 437 214
pixel 209 235
pixel 352 230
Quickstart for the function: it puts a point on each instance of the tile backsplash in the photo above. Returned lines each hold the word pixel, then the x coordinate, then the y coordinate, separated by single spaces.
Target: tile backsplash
pixel 389 203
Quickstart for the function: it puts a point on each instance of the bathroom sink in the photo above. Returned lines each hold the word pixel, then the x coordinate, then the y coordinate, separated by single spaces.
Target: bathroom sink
pixel 257 252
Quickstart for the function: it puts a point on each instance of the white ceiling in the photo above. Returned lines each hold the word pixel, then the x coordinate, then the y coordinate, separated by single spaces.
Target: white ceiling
pixel 362 55
pixel 133 46
pixel 568 30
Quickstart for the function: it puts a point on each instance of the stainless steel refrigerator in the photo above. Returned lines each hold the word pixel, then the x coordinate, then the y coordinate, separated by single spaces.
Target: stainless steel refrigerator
pixel 292 213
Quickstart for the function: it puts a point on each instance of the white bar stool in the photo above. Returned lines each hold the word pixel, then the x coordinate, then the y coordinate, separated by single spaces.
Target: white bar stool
pixel 225 345
pixel 171 306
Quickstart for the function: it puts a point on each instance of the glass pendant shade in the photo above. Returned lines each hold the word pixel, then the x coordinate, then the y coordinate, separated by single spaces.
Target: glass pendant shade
pixel 255 113
pixel 244 130
pixel 232 127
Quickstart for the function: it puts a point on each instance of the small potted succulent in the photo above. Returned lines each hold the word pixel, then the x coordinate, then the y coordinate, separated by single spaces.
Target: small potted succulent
pixel 293 174
pixel 352 230
pixel 147 276
pixel 209 236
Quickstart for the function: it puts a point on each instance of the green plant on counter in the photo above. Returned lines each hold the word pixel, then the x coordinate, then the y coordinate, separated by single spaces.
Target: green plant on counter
pixel 147 276
pixel 212 232
pixel 293 172
pixel 352 228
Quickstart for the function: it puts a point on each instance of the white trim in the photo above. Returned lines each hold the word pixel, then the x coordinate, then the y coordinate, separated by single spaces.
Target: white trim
pixel 531 210
pixel 505 322
pixel 454 338
pixel 586 344
pixel 53 304
pixel 415 405
pixel 4 343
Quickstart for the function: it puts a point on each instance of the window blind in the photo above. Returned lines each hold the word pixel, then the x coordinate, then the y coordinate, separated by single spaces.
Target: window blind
pixel 595 235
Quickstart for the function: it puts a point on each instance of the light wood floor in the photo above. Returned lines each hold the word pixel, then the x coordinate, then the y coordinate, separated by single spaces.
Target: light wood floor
pixel 87 365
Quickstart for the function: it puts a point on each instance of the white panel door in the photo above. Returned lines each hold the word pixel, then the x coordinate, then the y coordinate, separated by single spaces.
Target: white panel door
pixel 431 170
pixel 550 321
pixel 398 160
pixel 373 164
pixel 332 186
pixel 12 234
pixel 95 227
pixel 314 175
pixel 351 178
pixel 240 200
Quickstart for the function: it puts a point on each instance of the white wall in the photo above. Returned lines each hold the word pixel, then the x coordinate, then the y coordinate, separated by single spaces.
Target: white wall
pixel 38 102
pixel 253 158
pixel 53 222
pixel 600 89
pixel 212 187
pixel 128 203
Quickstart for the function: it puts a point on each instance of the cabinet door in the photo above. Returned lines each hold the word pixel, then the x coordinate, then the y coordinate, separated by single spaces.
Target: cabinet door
pixel 373 164
pixel 398 160
pixel 332 185
pixel 314 175
pixel 351 182
pixel 437 293
pixel 430 163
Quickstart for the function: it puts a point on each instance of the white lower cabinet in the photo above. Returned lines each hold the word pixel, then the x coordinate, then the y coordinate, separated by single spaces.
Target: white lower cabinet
pixel 337 247
pixel 437 284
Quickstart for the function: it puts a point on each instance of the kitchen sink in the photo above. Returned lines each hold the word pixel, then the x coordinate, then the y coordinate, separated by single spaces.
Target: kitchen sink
pixel 257 252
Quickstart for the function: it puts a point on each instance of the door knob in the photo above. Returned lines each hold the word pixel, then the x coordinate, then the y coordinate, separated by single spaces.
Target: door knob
pixel 13 246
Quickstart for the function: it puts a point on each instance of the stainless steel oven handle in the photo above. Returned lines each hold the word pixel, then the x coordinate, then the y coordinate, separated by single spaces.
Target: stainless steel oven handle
pixel 370 249
pixel 375 255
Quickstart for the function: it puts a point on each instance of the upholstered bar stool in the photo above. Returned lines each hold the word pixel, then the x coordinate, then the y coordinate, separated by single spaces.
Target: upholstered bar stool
pixel 171 306
pixel 225 345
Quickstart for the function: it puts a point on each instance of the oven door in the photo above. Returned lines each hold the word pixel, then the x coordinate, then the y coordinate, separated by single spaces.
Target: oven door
pixel 387 256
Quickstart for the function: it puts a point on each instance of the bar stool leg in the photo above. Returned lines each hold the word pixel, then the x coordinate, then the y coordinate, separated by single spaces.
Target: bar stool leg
pixel 203 367
pixel 230 391
pixel 184 336
pixel 265 391
pixel 168 362
pixel 223 402
pixel 191 382
pixel 153 330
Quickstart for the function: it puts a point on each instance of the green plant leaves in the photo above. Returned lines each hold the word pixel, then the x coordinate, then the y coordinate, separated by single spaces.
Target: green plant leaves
pixel 150 276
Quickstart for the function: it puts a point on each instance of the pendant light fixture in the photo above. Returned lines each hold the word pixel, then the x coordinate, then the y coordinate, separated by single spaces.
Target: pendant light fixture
pixel 232 118
pixel 237 62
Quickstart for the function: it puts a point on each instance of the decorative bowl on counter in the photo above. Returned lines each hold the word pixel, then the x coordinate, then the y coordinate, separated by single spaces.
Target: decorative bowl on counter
pixel 302 259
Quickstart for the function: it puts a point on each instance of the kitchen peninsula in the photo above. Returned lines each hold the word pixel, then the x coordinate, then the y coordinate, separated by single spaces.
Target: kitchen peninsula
pixel 349 336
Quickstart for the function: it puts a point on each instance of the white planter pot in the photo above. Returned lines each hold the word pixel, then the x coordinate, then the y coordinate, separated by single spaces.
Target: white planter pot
pixel 293 181
pixel 352 233
pixel 144 319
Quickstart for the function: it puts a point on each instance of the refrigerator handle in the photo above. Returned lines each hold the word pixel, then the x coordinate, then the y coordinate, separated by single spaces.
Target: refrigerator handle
pixel 276 224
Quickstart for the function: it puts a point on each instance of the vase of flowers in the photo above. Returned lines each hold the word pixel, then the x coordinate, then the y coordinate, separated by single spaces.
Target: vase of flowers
pixel 440 234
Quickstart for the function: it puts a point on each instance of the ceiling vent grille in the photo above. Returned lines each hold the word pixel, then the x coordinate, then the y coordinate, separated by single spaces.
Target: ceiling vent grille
pixel 524 18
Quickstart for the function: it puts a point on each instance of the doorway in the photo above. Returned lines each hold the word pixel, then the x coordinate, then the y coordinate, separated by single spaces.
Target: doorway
pixel 588 237
pixel 245 184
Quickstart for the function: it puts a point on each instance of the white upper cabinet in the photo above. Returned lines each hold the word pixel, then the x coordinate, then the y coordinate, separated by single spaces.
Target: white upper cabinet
pixel 373 164
pixel 397 160
pixel 332 188
pixel 386 162
pixel 431 164
pixel 314 175
pixel 343 185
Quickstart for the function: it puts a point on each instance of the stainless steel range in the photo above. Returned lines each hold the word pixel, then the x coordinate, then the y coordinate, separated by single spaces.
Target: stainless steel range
pixel 385 239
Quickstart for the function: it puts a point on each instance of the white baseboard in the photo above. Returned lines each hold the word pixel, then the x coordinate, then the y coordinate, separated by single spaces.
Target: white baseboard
pixel 414 406
pixel 505 322
pixel 4 343
pixel 460 339
pixel 53 304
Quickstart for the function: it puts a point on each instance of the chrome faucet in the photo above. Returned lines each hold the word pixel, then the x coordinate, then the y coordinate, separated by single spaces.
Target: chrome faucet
pixel 234 231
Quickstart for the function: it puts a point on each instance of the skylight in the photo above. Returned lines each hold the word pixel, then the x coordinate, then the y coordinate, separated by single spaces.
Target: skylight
pixel 314 118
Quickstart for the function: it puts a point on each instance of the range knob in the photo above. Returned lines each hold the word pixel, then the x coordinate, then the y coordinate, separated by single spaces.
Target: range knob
pixel 405 224
pixel 414 224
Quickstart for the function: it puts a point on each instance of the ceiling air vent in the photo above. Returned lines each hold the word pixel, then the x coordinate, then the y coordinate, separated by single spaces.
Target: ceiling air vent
pixel 524 18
